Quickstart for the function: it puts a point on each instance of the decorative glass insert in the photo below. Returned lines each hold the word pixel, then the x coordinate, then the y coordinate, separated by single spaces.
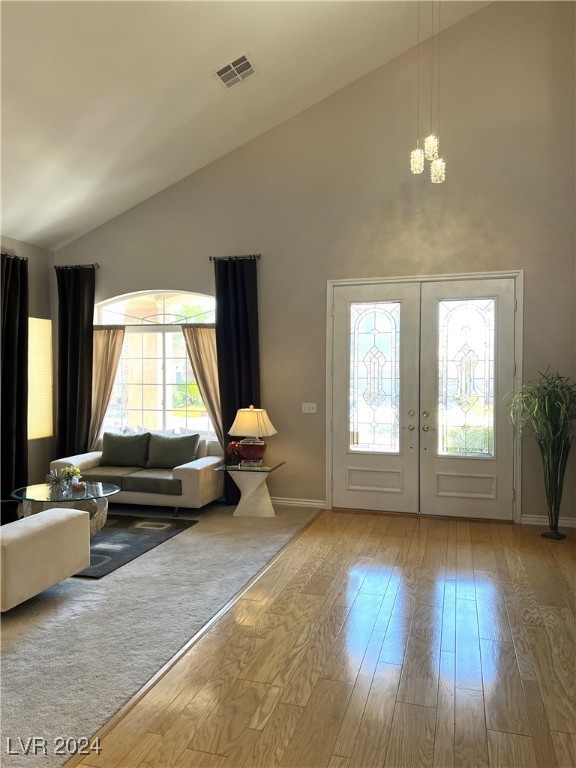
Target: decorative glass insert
pixel 374 392
pixel 466 377
pixel 157 308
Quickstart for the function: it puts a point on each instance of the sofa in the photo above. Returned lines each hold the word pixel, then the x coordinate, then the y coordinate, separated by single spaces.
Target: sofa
pixel 153 469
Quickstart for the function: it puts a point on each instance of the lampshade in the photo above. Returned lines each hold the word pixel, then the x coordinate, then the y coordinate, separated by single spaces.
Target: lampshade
pixel 253 422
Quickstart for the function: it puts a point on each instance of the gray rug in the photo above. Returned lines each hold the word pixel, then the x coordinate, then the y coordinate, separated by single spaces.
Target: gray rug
pixel 72 656
pixel 124 538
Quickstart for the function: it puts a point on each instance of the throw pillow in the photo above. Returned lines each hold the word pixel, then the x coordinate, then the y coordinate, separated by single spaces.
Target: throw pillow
pixel 125 450
pixel 169 452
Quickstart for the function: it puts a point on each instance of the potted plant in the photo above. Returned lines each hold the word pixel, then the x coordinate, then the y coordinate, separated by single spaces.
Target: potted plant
pixel 61 479
pixel 547 407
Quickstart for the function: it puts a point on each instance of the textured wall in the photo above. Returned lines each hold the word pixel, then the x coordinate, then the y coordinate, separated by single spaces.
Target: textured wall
pixel 328 195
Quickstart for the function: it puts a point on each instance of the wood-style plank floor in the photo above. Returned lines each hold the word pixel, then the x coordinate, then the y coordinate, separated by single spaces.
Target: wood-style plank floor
pixel 376 640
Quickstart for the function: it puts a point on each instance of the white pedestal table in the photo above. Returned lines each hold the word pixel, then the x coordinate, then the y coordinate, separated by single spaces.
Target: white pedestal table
pixel 254 496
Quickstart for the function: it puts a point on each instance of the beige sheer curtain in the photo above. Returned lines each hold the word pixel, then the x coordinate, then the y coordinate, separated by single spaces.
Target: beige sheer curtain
pixel 201 346
pixel 108 340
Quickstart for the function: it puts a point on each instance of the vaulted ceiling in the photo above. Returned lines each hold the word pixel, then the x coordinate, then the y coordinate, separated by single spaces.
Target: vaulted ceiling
pixel 106 103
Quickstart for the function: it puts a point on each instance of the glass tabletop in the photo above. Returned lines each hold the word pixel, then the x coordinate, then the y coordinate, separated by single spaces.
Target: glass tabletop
pixel 43 492
pixel 248 468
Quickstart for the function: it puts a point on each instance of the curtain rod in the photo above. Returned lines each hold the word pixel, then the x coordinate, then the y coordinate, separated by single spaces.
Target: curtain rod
pixel 256 256
pixel 76 266
pixel 14 256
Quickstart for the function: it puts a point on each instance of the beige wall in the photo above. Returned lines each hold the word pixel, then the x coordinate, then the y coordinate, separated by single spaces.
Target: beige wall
pixel 40 281
pixel 328 195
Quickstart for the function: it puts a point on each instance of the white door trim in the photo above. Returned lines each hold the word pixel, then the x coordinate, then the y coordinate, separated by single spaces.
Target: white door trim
pixel 516 275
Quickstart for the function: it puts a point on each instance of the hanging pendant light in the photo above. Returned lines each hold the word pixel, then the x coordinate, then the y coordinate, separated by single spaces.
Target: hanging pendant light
pixel 438 164
pixel 417 155
pixel 417 160
pixel 431 151
pixel 437 171
pixel 431 146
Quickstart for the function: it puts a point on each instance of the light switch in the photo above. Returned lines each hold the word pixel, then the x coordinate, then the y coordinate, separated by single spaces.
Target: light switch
pixel 308 407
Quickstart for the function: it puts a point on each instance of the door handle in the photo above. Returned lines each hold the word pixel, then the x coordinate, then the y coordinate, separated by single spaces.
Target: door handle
pixel 427 428
pixel 425 414
pixel 411 427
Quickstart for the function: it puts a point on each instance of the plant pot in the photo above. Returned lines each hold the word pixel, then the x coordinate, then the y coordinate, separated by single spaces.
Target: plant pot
pixel 554 534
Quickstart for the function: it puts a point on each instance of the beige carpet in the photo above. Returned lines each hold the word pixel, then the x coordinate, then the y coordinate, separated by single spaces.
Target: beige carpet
pixel 72 656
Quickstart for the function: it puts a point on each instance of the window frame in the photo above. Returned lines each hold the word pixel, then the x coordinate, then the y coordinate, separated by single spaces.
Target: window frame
pixel 144 326
pixel 103 305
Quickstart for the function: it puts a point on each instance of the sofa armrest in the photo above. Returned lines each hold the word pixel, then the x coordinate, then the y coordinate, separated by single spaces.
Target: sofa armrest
pixel 199 481
pixel 197 465
pixel 82 461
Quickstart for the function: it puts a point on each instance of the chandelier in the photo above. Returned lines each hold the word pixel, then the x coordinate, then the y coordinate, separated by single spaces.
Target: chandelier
pixel 431 150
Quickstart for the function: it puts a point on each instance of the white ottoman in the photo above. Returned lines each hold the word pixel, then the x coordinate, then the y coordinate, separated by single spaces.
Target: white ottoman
pixel 37 552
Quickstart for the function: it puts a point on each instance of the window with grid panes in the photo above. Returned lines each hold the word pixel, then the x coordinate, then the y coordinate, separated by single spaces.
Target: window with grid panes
pixel 155 389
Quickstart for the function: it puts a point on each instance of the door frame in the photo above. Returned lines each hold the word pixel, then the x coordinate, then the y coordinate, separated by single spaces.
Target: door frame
pixel 516 275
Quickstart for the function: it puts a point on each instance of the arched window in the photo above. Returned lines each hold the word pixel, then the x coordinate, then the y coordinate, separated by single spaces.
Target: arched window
pixel 155 389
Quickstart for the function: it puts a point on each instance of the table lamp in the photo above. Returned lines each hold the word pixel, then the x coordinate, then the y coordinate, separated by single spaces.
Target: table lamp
pixel 253 424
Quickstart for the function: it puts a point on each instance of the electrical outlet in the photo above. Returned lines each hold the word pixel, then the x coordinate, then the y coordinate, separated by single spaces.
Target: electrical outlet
pixel 308 407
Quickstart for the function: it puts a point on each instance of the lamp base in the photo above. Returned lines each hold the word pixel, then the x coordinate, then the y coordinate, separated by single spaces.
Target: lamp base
pixel 251 450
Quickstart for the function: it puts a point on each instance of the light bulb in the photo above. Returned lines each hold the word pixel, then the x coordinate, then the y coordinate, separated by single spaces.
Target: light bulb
pixel 431 147
pixel 417 160
pixel 438 171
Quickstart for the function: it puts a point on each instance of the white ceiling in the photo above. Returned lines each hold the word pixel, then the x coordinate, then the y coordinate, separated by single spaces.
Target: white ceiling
pixel 106 103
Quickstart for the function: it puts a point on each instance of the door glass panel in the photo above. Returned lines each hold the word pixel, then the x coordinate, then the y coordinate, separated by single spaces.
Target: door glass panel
pixel 374 389
pixel 466 377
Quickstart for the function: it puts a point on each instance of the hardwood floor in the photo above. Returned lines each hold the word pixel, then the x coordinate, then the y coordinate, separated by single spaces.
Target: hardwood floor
pixel 376 640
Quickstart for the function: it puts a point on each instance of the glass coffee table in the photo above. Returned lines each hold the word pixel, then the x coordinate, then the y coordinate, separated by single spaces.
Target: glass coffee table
pixel 251 480
pixel 93 499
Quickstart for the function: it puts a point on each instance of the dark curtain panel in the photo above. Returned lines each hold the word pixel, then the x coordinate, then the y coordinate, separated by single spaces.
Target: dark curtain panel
pixel 14 429
pixel 237 344
pixel 76 286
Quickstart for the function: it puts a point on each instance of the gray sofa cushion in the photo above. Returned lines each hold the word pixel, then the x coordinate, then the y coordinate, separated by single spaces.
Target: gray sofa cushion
pixel 107 474
pixel 169 452
pixel 152 481
pixel 125 450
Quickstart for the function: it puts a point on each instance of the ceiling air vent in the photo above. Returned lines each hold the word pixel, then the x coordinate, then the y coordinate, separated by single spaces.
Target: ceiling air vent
pixel 236 71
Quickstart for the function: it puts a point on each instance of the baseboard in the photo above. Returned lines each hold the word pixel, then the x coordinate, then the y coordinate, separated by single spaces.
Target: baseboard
pixel 317 503
pixel 563 522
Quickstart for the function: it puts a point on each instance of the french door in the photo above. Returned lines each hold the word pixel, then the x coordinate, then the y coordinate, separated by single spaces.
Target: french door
pixel 419 422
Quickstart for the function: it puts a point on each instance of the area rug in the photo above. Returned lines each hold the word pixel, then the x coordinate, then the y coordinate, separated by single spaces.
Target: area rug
pixel 125 538
pixel 73 655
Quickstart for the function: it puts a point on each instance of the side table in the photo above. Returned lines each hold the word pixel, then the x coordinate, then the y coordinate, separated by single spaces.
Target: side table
pixel 254 496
